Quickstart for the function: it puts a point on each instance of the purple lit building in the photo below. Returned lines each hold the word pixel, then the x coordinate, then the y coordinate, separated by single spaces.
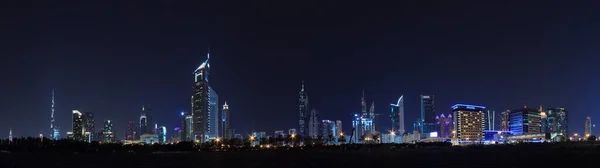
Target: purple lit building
pixel 445 125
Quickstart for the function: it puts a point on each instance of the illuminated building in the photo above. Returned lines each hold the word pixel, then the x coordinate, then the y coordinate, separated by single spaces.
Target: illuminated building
pixel 338 128
pixel 525 121
pixel 588 127
pixel 78 125
pixel 397 116
pixel 176 135
pixel 557 119
pixel 10 135
pixel 327 128
pixel 445 126
pixel 279 133
pixel 149 138
pixel 162 134
pixel 313 124
pixel 213 113
pixel 109 135
pixel 504 119
pixel 469 122
pixel 491 120
pixel 545 126
pixel 54 130
pixel 90 126
pixel 374 117
pixel 200 102
pixel 225 123
pixel 130 135
pixel 303 111
pixel 427 114
pixel 363 105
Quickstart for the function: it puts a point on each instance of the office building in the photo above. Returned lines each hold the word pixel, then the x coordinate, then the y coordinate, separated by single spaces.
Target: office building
pixel 427 114
pixel 279 134
pixel 338 128
pixel 162 134
pixel 130 135
pixel 545 124
pixel 469 122
pixel 525 121
pixel 588 127
pixel 213 113
pixel 292 131
pixel 303 111
pixel 397 116
pixel 313 124
pixel 200 103
pixel 108 134
pixel 557 119
pixel 327 128
pixel 225 122
pixel 90 128
pixel 78 126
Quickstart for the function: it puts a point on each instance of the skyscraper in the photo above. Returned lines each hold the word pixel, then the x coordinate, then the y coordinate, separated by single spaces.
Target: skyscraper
pixel 54 130
pixel 162 134
pixel 363 105
pixel 187 133
pixel 313 124
pixel 327 128
pixel 558 120
pixel 469 122
pixel 107 132
pixel 10 135
pixel 525 121
pixel 588 126
pixel 89 125
pixel 303 111
pixel 143 124
pixel 200 102
pixel 213 112
pixel 427 114
pixel 146 126
pixel 397 116
pixel 338 128
pixel 374 117
pixel 225 122
pixel 78 128
pixel 130 135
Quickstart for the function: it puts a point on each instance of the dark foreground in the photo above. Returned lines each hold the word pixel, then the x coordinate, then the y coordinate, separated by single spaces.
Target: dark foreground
pixel 499 156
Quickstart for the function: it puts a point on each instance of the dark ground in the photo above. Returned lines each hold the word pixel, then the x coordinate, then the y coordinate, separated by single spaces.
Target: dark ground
pixel 506 156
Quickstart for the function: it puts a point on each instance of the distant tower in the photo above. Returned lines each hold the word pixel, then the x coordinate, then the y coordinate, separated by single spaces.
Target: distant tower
pixel 10 135
pixel 504 117
pixel 363 104
pixel 303 111
pixel 491 119
pixel 54 130
pixel 201 102
pixel 374 117
pixel 313 126
pixel 427 114
pixel 397 116
pixel 588 126
pixel 225 122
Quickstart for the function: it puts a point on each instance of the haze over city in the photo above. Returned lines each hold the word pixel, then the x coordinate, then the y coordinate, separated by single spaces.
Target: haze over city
pixel 113 58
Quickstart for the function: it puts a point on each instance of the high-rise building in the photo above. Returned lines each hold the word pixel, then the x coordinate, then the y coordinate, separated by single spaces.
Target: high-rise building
pixel 363 105
pixel 225 122
pixel 445 125
pixel 213 112
pixel 54 130
pixel 78 125
pixel 200 102
pixel 357 129
pixel 491 120
pixel 397 116
pixel 130 135
pixel 544 121
pixel 313 124
pixel 469 122
pixel 162 134
pixel 374 117
pixel 146 120
pixel 588 126
pixel 557 119
pixel 10 135
pixel 90 126
pixel 427 114
pixel 525 121
pixel 107 132
pixel 292 131
pixel 338 128
pixel 303 111
pixel 327 128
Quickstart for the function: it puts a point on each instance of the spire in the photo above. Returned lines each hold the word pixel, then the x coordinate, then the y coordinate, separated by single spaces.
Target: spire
pixel 302 86
pixel 10 135
pixel 541 109
pixel 373 105
pixel 208 54
pixel 362 99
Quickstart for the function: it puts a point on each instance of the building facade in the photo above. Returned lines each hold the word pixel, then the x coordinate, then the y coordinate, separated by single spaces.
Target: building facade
pixel 303 112
pixel 225 122
pixel 428 114
pixel 397 116
pixel 558 121
pixel 200 102
pixel 313 124
pixel 525 121
pixel 108 133
pixel 469 123
pixel 588 127
pixel 445 124
pixel 90 128
pixel 213 112
pixel 78 126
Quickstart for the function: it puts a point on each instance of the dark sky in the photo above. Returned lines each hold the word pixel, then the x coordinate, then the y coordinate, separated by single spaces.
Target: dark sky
pixel 110 58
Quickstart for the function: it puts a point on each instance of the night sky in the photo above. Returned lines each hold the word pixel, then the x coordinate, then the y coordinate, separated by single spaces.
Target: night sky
pixel 110 58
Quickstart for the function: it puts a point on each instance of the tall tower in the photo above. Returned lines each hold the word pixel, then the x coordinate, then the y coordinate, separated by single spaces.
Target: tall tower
pixel 397 116
pixel 213 113
pixel 225 122
pixel 143 122
pixel 54 130
pixel 363 104
pixel 303 111
pixel 427 114
pixel 313 124
pixel 588 126
pixel 201 102
pixel 10 135
pixel 78 131
pixel 374 117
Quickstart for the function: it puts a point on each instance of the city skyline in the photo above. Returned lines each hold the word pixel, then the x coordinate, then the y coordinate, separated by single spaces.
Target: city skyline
pixel 111 67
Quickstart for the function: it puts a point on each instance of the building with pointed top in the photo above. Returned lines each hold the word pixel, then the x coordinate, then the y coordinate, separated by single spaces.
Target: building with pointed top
pixel 225 122
pixel 313 124
pixel 201 103
pixel 54 130
pixel 588 127
pixel 303 112
pixel 363 105
pixel 397 116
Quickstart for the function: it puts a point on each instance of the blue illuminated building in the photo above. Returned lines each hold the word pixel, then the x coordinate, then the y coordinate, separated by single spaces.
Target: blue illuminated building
pixel 525 121
pixel 428 122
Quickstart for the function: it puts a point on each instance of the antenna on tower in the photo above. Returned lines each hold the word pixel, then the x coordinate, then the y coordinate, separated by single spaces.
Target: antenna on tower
pixel 208 54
